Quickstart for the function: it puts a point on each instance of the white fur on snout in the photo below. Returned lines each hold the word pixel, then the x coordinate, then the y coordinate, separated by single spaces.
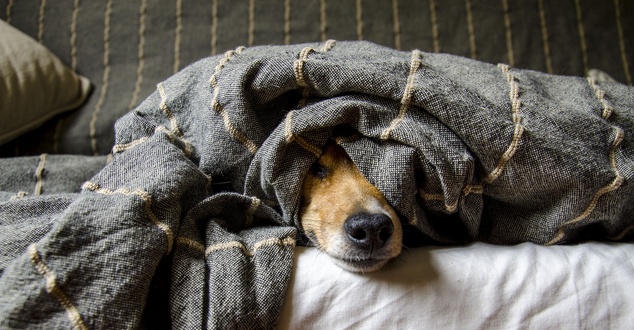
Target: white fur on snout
pixel 349 257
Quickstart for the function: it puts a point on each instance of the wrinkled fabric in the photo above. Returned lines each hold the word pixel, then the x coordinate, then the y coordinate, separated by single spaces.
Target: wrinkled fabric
pixel 198 206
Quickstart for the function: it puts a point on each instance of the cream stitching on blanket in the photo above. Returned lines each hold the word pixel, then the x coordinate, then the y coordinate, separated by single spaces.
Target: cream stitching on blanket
pixel 582 36
pixel 52 287
pixel 434 25
pixel 545 43
pixel 174 133
pixel 287 241
pixel 253 207
pixel 600 94
pixel 509 33
pixel 471 30
pixel 105 79
pixel 397 25
pixel 619 27
pixel 618 177
pixel 406 99
pixel 518 129
pixel 298 70
pixel 214 27
pixel 191 243
pixel 473 189
pixel 328 45
pixel 147 204
pixel 177 35
pixel 614 185
pixel 140 56
pixel 73 36
pixel 298 66
pixel 38 175
pixel 233 131
pixel 290 137
pixel 170 135
pixel 168 113
pixel 40 21
pixel 126 146
pixel 323 27
pixel 449 208
pixel 19 195
pixel 359 18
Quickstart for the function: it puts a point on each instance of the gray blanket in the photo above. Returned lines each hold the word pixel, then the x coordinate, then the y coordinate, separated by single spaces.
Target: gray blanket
pixel 194 215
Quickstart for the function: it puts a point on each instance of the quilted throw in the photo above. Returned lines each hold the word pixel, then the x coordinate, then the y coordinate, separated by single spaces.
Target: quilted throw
pixel 201 197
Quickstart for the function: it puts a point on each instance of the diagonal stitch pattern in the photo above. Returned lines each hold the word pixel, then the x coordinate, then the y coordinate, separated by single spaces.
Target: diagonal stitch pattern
pixel 290 137
pixel 518 129
pixel 213 81
pixel 614 185
pixel 168 113
pixel 126 146
pixel 287 241
pixel 449 208
pixel 147 204
pixel 618 177
pixel 600 94
pixel 406 99
pixel 52 287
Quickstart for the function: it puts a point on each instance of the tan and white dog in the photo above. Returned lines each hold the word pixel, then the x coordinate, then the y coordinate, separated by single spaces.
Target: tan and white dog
pixel 347 217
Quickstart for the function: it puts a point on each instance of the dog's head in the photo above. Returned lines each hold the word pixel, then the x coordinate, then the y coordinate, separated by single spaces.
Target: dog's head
pixel 347 217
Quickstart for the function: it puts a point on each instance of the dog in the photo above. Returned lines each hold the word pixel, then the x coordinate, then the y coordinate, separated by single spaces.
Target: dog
pixel 346 216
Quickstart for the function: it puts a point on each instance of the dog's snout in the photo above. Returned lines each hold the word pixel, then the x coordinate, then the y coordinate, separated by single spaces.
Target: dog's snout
pixel 369 231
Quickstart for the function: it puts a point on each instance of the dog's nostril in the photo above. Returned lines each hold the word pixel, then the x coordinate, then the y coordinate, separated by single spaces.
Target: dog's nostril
pixel 385 233
pixel 357 233
pixel 369 231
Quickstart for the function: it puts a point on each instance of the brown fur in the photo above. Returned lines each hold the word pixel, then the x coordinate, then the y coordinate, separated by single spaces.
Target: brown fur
pixel 332 192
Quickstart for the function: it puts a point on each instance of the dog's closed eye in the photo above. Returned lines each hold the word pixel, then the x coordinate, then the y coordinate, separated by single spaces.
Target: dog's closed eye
pixel 318 170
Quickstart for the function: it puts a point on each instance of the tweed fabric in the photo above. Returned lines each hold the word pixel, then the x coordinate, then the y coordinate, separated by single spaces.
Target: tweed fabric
pixel 206 174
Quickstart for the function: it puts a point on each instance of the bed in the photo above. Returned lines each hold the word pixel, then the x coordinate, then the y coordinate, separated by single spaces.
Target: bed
pixel 135 195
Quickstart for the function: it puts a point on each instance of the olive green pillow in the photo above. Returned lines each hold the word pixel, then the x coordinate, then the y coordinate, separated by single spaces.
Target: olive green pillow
pixel 34 84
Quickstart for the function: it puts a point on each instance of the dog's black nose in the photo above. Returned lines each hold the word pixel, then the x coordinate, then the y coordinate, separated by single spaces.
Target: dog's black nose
pixel 369 231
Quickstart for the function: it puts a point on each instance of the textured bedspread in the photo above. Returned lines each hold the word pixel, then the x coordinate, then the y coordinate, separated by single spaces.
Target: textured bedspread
pixel 206 174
